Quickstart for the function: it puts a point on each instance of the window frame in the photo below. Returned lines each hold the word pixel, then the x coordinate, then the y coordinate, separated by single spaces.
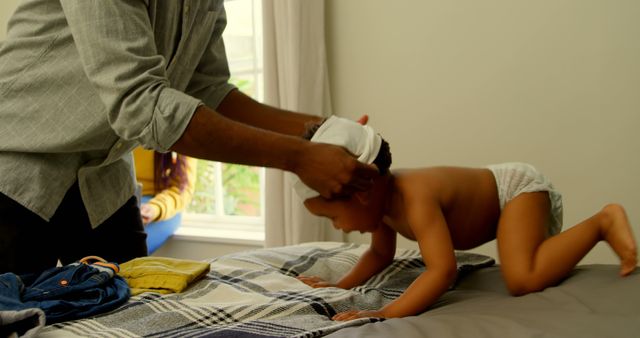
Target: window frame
pixel 245 229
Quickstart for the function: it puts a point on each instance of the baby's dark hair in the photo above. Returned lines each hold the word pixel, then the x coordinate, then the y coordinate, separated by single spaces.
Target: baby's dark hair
pixel 382 161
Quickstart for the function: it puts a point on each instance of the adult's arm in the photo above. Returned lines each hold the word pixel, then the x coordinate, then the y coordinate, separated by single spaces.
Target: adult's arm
pixel 175 199
pixel 328 169
pixel 242 108
pixel 116 46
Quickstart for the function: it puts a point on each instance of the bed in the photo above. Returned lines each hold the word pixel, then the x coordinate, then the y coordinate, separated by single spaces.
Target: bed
pixel 256 294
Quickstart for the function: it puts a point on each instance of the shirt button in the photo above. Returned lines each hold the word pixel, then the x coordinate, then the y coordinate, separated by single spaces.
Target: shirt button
pixel 118 145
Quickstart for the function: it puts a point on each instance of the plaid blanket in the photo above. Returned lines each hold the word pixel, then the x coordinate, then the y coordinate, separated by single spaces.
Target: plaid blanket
pixel 256 294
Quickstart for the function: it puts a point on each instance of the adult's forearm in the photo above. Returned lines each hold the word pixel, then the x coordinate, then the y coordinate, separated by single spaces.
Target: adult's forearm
pixel 214 137
pixel 328 169
pixel 242 108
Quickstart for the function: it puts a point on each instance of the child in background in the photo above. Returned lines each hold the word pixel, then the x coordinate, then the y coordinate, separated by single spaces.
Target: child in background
pixel 454 208
pixel 168 182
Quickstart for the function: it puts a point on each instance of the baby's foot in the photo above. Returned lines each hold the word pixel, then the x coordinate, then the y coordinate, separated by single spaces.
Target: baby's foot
pixel 617 232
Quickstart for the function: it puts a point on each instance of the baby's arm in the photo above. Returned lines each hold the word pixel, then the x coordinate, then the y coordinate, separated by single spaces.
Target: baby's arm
pixel 377 257
pixel 432 234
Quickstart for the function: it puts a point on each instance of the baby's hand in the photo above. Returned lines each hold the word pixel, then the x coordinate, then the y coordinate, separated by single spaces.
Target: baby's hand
pixel 355 314
pixel 315 281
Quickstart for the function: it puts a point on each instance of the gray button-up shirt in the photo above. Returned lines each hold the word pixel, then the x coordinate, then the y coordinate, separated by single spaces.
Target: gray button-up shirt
pixel 83 82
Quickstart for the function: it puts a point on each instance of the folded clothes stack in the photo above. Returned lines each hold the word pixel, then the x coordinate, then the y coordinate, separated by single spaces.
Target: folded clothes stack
pixel 161 274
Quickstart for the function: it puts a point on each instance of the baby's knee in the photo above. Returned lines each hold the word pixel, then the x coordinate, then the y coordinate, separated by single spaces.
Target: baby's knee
pixel 609 214
pixel 611 210
pixel 523 285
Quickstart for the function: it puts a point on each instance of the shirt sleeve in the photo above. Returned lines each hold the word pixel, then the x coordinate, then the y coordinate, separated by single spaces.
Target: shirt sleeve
pixel 116 45
pixel 210 81
pixel 171 200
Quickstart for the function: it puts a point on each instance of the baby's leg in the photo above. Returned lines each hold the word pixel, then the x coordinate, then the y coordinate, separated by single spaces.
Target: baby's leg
pixel 530 262
pixel 616 230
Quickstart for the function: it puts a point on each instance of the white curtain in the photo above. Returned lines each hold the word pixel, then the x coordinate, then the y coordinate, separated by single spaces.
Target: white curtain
pixel 295 77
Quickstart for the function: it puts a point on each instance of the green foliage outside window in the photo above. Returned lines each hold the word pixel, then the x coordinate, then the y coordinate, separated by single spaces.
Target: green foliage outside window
pixel 241 186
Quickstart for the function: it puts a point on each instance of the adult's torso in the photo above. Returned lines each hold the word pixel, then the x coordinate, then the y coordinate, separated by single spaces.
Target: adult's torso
pixel 54 126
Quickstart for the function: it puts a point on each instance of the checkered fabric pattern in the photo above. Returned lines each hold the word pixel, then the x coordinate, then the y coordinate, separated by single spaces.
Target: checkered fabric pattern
pixel 256 294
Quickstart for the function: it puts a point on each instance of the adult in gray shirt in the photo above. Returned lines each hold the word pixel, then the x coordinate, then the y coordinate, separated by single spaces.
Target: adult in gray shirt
pixel 82 83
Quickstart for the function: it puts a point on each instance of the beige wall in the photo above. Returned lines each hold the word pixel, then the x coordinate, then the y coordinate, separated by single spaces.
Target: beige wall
pixel 553 83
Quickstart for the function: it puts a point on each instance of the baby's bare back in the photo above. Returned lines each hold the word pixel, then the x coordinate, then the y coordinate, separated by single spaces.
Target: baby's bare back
pixel 468 198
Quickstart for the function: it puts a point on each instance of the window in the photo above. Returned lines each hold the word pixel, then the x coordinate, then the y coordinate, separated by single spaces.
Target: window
pixel 228 197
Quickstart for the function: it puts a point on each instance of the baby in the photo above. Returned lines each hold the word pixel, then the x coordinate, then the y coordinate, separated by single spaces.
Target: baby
pixel 454 208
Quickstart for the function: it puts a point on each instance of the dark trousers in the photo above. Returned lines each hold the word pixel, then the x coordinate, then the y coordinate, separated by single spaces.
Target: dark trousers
pixel 30 244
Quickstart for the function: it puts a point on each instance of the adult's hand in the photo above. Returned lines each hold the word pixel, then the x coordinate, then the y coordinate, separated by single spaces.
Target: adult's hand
pixel 332 171
pixel 149 213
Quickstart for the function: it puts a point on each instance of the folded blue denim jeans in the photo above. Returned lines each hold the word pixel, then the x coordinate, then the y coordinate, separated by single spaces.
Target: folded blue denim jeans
pixel 73 291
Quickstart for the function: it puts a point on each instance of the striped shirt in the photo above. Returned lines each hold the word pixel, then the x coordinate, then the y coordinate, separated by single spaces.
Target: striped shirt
pixel 82 83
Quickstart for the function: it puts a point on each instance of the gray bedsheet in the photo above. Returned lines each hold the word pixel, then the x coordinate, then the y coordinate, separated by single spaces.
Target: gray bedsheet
pixel 592 302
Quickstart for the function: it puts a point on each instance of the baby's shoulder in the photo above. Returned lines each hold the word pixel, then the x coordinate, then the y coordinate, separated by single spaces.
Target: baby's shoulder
pixel 441 184
pixel 418 183
pixel 423 177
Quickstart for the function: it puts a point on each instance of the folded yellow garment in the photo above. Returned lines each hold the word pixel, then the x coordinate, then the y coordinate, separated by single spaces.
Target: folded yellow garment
pixel 161 274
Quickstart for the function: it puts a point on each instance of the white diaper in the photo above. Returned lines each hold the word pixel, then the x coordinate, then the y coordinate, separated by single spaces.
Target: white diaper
pixel 513 179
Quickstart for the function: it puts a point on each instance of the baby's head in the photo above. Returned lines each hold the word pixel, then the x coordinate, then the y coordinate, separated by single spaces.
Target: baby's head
pixel 361 211
pixel 382 160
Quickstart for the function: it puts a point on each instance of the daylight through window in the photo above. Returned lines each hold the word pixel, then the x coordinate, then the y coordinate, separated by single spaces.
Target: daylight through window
pixel 229 193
